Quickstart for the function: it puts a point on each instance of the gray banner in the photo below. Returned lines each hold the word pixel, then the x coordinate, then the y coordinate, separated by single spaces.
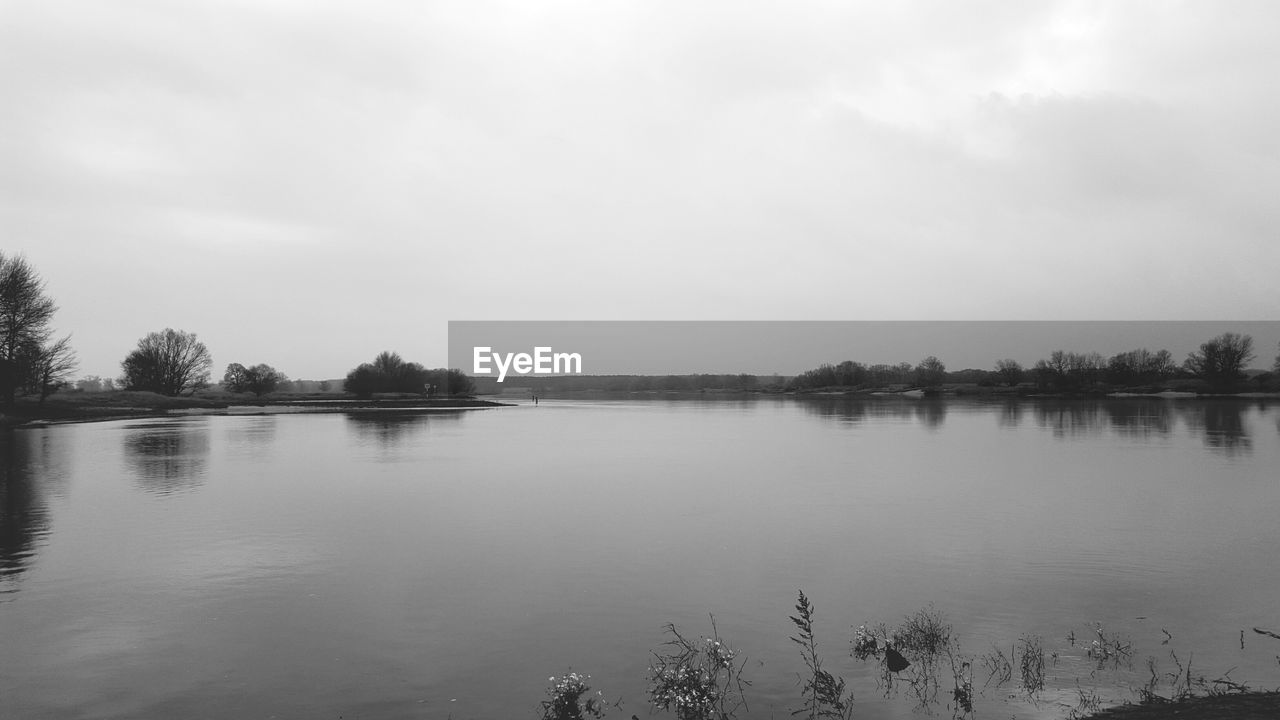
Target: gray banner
pixel 791 347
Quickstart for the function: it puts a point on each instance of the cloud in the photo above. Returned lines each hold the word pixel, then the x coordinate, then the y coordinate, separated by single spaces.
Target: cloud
pixel 641 159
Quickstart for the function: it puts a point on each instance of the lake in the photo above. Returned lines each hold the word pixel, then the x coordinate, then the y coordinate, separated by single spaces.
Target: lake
pixel 446 564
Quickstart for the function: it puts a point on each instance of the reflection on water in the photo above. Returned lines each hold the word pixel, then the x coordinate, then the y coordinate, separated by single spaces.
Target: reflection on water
pixel 1127 417
pixel 168 456
pixel 858 408
pixel 1141 418
pixel 24 517
pixel 33 468
pixel 389 428
pixel 569 534
pixel 1069 418
pixel 931 412
pixel 1221 423
pixel 1010 413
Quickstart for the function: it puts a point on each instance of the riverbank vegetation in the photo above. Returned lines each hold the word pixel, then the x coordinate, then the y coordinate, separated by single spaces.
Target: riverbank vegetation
pixel 920 660
pixel 172 362
pixel 389 373
pixel 31 361
pixel 1220 365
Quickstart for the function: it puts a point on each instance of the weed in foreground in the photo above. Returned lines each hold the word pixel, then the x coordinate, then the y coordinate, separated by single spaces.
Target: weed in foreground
pixel 962 694
pixel 824 694
pixel 999 668
pixel 697 679
pixel 570 698
pixel 1087 704
pixel 1109 649
pixel 925 637
pixel 1031 663
pixel 912 653
pixel 1184 683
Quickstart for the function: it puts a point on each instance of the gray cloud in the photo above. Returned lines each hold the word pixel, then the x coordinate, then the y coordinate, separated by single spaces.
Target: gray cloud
pixel 254 172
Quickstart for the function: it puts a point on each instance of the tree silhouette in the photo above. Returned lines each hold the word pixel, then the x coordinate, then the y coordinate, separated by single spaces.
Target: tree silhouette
pixel 25 316
pixel 1222 360
pixel 259 379
pixel 1009 371
pixel 169 362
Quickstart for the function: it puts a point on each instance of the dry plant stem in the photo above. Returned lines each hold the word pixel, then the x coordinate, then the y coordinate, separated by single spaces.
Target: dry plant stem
pixel 823 693
pixel 1031 664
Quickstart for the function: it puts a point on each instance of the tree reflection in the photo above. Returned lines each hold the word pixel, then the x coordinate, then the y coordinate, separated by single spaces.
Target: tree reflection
pixel 845 409
pixel 1221 423
pixel 1011 413
pixel 1070 417
pixel 1140 417
pixel 931 412
pixel 390 428
pixel 168 457
pixel 24 517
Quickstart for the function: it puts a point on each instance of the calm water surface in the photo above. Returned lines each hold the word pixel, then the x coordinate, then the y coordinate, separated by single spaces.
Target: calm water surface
pixel 441 565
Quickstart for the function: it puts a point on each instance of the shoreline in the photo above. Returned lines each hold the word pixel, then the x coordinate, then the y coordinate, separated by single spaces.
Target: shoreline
pixel 67 411
pixel 1252 705
pixel 124 405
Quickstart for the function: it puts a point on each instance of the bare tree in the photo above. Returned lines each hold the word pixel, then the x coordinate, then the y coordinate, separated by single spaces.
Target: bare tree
pixel 931 372
pixel 1009 371
pixel 1222 360
pixel 1069 371
pixel 169 362
pixel 25 315
pixel 1140 366
pixel 49 367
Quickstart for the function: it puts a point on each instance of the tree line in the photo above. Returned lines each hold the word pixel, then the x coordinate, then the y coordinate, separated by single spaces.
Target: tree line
pixel 169 362
pixel 175 362
pixel 1219 364
pixel 691 382
pixel 929 372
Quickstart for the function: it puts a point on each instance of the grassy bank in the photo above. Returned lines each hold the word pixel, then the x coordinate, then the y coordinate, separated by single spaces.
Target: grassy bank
pixel 73 407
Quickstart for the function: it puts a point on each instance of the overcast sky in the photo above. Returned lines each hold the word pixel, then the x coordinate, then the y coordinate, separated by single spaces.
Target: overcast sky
pixel 307 183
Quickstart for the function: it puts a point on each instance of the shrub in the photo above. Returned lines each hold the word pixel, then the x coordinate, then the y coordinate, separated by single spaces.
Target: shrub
pixel 697 680
pixel 566 701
